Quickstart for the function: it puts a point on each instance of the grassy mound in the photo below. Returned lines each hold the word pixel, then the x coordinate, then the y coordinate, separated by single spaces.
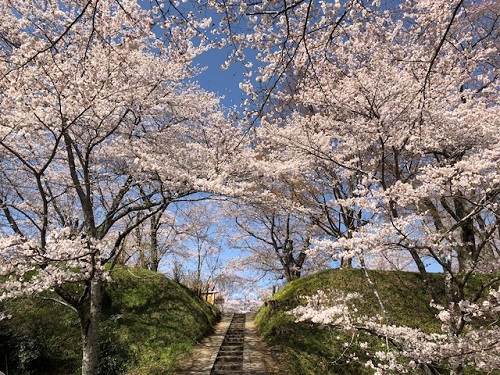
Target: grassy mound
pixel 316 349
pixel 148 321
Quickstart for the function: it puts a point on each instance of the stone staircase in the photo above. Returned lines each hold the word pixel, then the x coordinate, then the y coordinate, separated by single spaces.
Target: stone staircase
pixel 233 349
pixel 229 359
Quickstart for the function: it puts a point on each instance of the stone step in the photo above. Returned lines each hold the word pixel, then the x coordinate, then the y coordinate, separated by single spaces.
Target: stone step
pixel 228 366
pixel 234 351
pixel 229 358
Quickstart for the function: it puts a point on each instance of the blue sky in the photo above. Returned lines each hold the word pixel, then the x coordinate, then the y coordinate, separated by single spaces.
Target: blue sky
pixel 223 82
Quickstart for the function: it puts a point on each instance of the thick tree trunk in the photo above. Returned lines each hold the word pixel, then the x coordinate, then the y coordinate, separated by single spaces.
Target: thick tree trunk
pixel 346 262
pixel 154 255
pixel 89 321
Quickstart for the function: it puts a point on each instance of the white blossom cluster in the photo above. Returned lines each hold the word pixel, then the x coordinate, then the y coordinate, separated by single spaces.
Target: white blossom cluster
pixel 407 347
pixel 27 269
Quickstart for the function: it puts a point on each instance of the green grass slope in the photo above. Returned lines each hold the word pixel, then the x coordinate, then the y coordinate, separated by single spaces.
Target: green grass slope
pixel 315 349
pixel 148 321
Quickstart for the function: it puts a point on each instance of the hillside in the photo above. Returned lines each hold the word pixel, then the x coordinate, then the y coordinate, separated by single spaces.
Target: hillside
pixel 148 321
pixel 322 350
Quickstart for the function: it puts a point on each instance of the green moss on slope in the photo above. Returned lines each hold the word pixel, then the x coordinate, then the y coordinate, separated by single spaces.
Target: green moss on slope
pixel 148 321
pixel 315 349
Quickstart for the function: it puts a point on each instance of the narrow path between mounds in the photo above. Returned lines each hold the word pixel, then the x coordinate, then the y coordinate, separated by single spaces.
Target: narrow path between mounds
pixel 233 349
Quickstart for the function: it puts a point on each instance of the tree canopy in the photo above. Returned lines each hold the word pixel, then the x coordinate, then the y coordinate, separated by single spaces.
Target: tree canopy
pixel 370 133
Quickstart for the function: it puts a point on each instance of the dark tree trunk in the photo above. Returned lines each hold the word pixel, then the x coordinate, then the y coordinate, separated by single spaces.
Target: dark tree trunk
pixel 154 255
pixel 346 262
pixel 89 314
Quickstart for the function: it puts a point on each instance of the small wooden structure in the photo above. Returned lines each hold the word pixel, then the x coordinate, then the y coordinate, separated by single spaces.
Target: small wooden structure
pixel 209 296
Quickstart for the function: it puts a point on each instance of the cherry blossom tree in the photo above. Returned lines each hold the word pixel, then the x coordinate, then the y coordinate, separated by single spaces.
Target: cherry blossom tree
pixel 276 241
pixel 399 103
pixel 100 131
pixel 378 122
pixel 202 246
pixel 152 242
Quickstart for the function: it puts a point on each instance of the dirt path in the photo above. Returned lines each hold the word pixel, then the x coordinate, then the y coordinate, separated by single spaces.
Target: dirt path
pixel 274 362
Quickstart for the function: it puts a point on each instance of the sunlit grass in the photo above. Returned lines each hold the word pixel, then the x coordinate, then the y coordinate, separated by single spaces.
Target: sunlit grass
pixel 148 321
pixel 315 349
